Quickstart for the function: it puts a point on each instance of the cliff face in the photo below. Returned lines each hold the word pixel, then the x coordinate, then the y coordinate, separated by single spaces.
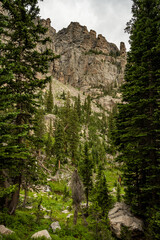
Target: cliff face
pixel 87 61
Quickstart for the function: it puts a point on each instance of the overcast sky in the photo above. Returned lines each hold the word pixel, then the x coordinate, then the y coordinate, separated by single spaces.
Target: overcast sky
pixel 106 17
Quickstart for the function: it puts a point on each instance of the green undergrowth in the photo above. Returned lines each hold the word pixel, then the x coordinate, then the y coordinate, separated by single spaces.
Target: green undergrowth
pixel 28 221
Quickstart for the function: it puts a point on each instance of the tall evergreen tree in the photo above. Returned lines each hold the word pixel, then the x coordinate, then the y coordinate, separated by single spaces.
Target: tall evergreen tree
pixel 59 146
pixel 73 135
pixel 87 108
pixel 49 100
pixel 86 167
pixel 101 194
pixel 138 121
pixel 77 107
pixel 19 90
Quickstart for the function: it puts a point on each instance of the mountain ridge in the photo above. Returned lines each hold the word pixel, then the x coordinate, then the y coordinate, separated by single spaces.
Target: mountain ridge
pixel 86 61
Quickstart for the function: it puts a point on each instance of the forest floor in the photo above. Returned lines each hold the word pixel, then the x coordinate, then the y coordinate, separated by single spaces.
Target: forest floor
pixel 52 203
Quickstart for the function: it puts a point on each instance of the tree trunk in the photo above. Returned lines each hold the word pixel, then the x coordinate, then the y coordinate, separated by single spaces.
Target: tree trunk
pixel 87 199
pixel 75 215
pixel 59 164
pixel 15 198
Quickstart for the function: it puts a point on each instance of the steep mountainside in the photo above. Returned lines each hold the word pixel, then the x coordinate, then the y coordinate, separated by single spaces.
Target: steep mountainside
pixel 86 62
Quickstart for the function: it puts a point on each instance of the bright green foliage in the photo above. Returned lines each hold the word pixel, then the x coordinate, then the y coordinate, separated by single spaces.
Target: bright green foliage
pixel 138 121
pixel 86 171
pixel 19 89
pixel 49 100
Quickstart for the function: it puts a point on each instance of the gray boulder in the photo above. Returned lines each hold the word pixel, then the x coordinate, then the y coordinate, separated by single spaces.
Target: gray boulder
pixel 120 216
pixel 55 226
pixel 43 233
pixel 5 231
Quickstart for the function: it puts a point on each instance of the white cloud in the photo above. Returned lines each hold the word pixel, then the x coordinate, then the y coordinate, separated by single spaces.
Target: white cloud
pixel 106 17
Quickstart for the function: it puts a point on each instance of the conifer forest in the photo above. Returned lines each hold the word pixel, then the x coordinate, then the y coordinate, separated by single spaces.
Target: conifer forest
pixel 79 128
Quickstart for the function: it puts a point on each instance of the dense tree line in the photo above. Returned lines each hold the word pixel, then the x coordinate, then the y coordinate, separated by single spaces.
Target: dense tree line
pixel 138 120
pixel 24 137
pixel 20 89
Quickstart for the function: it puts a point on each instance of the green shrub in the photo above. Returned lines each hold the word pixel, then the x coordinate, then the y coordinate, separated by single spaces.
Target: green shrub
pixel 57 187
pixel 10 237
pixel 153 225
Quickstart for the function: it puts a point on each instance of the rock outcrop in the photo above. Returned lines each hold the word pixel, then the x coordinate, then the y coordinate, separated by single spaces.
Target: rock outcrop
pixel 43 233
pixel 55 226
pixel 121 216
pixel 5 231
pixel 86 61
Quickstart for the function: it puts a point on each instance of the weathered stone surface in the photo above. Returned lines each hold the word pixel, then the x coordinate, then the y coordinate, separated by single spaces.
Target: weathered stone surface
pixel 55 226
pixel 69 215
pixel 87 62
pixel 43 233
pixel 65 211
pixel 5 231
pixel 120 216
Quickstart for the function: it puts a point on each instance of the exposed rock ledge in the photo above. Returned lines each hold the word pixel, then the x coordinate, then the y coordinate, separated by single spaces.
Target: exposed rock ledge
pixel 120 216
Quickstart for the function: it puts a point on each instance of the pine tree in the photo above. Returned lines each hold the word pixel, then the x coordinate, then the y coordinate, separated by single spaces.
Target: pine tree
pixel 49 100
pixel 77 107
pixel 59 146
pixel 71 129
pixel 100 193
pixel 73 135
pixel 138 121
pixel 86 167
pixel 87 108
pixel 49 140
pixel 19 90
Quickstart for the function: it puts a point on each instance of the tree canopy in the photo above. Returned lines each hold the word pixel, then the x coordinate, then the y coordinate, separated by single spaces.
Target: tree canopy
pixel 138 121
pixel 20 87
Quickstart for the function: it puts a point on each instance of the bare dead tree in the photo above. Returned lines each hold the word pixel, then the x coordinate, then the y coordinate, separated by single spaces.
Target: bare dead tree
pixel 77 193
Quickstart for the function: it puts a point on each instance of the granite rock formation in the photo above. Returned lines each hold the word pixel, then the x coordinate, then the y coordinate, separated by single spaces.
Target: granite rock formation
pixel 120 216
pixel 86 61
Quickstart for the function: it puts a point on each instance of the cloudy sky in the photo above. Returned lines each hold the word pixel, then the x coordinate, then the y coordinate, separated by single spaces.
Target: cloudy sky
pixel 106 17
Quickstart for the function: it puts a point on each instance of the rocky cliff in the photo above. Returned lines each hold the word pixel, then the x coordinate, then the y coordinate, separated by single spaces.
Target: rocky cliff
pixel 87 61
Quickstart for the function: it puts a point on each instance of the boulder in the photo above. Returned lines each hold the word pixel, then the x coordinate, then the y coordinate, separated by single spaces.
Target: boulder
pixel 65 211
pixel 43 233
pixel 55 226
pixel 69 215
pixel 121 216
pixel 5 231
